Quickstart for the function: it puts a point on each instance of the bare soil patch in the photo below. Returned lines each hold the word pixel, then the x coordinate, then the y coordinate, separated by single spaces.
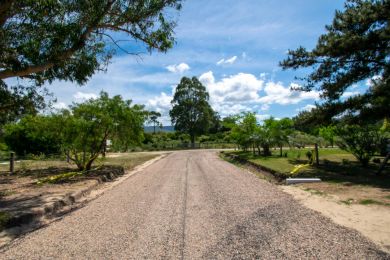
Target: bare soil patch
pixel 373 220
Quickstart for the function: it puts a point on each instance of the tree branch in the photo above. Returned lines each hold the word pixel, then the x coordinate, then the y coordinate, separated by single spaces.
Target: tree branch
pixel 7 73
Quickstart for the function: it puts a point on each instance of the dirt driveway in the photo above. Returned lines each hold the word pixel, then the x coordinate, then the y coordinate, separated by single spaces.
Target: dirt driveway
pixel 193 205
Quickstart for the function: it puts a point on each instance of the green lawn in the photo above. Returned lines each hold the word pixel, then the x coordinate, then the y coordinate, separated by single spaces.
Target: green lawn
pixel 336 166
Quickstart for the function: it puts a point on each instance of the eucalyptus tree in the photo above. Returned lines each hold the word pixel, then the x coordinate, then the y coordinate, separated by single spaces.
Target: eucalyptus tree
pixel 153 118
pixel 191 113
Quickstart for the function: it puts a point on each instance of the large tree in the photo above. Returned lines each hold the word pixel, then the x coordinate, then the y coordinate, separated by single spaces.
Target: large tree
pixel 45 40
pixel 191 112
pixel 355 47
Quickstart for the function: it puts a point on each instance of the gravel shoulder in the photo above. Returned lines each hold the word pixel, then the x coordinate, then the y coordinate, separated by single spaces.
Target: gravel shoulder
pixel 193 205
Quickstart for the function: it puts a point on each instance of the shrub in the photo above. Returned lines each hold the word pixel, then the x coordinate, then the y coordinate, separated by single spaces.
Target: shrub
pixel 361 141
pixel 309 156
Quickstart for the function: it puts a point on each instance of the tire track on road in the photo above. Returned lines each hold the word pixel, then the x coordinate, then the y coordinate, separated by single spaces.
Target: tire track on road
pixel 184 211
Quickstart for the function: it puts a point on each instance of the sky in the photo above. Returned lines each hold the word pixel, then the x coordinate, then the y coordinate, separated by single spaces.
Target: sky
pixel 233 47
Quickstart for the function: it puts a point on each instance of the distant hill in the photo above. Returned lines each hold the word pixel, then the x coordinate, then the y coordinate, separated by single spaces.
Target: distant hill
pixel 168 128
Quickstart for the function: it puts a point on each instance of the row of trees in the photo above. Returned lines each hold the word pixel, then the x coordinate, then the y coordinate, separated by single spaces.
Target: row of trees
pixel 362 141
pixel 82 131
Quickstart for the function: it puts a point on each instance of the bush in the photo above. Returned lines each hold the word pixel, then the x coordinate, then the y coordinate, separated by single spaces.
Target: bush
pixel 361 141
pixel 309 156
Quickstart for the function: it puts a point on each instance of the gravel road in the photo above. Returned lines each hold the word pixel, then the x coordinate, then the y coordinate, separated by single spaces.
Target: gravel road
pixel 193 205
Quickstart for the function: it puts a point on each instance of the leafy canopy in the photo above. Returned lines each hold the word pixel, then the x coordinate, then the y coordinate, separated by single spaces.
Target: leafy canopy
pixel 90 124
pixel 47 40
pixel 354 48
pixel 191 112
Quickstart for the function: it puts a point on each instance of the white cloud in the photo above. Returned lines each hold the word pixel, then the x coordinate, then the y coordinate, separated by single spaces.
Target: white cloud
pixel 231 60
pixel 276 93
pixel 264 107
pixel 262 117
pixel 245 92
pixel 238 93
pixel 60 105
pixel 241 87
pixel 227 61
pixel 179 68
pixel 81 96
pixel 370 82
pixel 160 103
pixel 306 108
pixel 221 61
pixel 349 94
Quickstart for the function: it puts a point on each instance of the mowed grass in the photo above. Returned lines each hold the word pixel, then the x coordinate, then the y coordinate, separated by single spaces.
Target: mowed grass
pixel 294 157
pixel 336 166
pixel 126 160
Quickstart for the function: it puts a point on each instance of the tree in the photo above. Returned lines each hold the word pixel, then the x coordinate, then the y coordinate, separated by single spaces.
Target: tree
pixel 361 141
pixel 42 41
pixel 76 35
pixel 354 48
pixel 88 126
pixel 33 135
pixel 191 112
pixel 153 116
pixel 279 131
pixel 18 101
pixel 328 133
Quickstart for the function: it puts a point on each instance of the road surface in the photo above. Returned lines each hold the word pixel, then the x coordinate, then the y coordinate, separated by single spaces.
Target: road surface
pixel 193 205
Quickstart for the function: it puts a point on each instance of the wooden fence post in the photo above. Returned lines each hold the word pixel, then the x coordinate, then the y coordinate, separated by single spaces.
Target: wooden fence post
pixel 12 162
pixel 316 152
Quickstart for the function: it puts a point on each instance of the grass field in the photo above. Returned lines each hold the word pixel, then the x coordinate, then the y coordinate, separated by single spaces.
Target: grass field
pixel 126 160
pixel 335 166
pixel 340 172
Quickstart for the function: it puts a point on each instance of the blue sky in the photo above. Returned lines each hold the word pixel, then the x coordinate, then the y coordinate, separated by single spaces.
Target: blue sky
pixel 234 47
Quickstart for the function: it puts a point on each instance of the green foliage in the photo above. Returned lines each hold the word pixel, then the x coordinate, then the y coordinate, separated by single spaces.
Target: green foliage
pixel 328 133
pixel 191 112
pixel 361 141
pixel 33 135
pixel 354 48
pixel 243 129
pixel 17 101
pixel 301 139
pixel 44 41
pixel 87 128
pixel 77 35
pixel 152 118
pixel 279 131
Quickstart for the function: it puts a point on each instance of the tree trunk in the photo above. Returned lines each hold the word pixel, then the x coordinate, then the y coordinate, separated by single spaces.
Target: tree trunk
pixel 266 150
pixel 281 150
pixel 88 166
pixel 258 150
pixel 192 141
